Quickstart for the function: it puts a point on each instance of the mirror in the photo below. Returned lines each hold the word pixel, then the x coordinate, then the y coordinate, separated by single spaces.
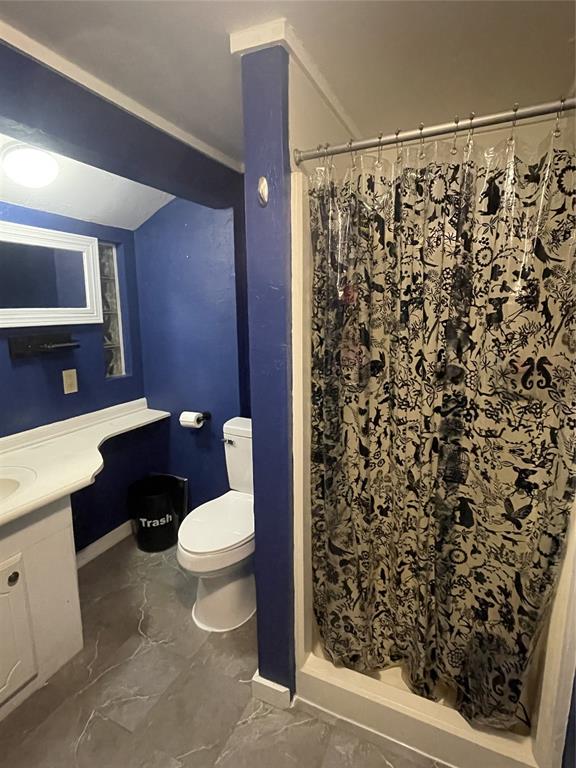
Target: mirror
pixel 36 276
pixel 47 277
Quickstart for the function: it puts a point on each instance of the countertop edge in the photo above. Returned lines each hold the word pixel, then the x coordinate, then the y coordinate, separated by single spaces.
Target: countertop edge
pixel 94 434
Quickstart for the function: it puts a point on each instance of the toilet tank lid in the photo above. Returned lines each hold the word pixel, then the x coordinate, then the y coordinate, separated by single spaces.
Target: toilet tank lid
pixel 238 426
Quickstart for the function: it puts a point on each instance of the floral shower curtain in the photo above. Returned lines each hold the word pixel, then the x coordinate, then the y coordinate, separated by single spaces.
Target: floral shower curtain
pixel 443 408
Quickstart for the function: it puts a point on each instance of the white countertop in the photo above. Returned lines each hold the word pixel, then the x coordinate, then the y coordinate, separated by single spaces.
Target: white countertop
pixel 64 456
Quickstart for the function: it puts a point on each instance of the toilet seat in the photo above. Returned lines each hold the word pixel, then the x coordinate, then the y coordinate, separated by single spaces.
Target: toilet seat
pixel 217 534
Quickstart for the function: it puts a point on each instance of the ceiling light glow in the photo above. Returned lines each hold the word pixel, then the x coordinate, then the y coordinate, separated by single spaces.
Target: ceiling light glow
pixel 29 167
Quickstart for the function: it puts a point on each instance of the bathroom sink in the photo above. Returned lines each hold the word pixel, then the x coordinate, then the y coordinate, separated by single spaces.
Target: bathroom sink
pixel 14 478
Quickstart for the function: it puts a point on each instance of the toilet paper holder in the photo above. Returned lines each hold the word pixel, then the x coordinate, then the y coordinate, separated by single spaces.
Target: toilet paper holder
pixel 194 419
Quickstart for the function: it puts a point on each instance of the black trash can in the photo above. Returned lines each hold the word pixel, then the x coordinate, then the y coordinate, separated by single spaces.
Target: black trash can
pixel 157 505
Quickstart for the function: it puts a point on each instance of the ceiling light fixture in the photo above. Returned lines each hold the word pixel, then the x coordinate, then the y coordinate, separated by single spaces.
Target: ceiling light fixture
pixel 29 166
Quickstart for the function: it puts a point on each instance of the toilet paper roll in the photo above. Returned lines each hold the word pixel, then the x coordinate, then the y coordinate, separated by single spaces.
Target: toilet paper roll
pixel 192 419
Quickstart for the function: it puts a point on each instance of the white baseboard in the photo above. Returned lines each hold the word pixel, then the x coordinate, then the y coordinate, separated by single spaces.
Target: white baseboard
pixel 101 545
pixel 272 693
pixel 364 733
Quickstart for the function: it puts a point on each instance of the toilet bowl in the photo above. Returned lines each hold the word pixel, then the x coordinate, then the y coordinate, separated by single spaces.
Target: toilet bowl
pixel 216 541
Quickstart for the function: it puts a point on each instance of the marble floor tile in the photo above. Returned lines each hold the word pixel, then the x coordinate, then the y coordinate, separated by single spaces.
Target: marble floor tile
pixel 24 720
pixel 122 695
pixel 266 737
pixel 234 654
pixel 346 750
pixel 107 745
pixel 69 740
pixel 126 566
pixel 167 618
pixel 119 567
pixel 196 715
pixel 139 674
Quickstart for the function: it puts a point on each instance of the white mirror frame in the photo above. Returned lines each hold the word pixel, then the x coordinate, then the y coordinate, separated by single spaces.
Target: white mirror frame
pixel 21 317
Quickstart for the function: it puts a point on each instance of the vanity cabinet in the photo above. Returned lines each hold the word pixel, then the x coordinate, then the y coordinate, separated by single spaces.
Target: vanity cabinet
pixel 40 622
pixel 17 655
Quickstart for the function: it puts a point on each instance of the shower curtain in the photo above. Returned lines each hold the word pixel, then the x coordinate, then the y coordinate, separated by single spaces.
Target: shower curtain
pixel 443 414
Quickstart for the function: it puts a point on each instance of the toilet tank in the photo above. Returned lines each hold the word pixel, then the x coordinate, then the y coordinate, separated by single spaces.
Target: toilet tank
pixel 238 447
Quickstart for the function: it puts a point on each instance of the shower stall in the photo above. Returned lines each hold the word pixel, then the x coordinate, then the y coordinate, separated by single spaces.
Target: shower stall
pixel 389 258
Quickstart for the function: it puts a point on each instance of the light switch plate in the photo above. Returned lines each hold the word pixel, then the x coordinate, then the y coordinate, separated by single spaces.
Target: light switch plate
pixel 70 381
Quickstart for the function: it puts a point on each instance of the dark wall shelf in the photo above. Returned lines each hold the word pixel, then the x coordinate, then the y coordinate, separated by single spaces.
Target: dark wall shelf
pixel 39 344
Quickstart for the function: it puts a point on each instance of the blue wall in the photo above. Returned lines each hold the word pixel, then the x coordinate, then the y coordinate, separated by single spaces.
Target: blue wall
pixel 265 97
pixel 32 392
pixel 186 285
pixel 42 107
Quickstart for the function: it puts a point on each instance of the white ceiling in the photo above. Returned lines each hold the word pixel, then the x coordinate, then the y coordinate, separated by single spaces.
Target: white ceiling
pixel 391 64
pixel 86 193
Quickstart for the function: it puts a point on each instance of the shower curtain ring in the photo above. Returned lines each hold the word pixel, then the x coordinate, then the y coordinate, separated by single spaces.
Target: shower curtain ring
pixel 326 164
pixel 454 150
pixel 470 131
pixel 352 154
pixel 379 159
pixel 398 147
pixel 421 154
pixel 557 132
pixel 514 121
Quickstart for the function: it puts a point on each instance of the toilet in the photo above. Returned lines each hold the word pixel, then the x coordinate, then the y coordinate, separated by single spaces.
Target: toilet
pixel 216 541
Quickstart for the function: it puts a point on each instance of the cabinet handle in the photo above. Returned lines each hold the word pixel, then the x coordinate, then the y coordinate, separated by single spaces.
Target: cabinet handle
pixel 13 578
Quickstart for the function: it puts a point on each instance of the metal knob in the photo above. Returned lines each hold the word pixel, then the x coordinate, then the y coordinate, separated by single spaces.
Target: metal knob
pixel 13 578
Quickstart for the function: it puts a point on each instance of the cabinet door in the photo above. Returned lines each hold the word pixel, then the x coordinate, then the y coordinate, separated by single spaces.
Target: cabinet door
pixel 17 657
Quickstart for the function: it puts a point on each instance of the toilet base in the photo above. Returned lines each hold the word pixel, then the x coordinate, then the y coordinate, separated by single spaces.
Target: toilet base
pixel 225 602
pixel 207 628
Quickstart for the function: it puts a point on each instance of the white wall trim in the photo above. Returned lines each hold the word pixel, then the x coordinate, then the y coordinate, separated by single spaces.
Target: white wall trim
pixel 400 715
pixel 362 731
pixel 272 693
pixel 102 544
pixel 53 60
pixel 559 668
pixel 301 418
pixel 279 32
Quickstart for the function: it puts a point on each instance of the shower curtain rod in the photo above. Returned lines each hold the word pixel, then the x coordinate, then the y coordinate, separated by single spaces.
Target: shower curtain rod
pixel 473 122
